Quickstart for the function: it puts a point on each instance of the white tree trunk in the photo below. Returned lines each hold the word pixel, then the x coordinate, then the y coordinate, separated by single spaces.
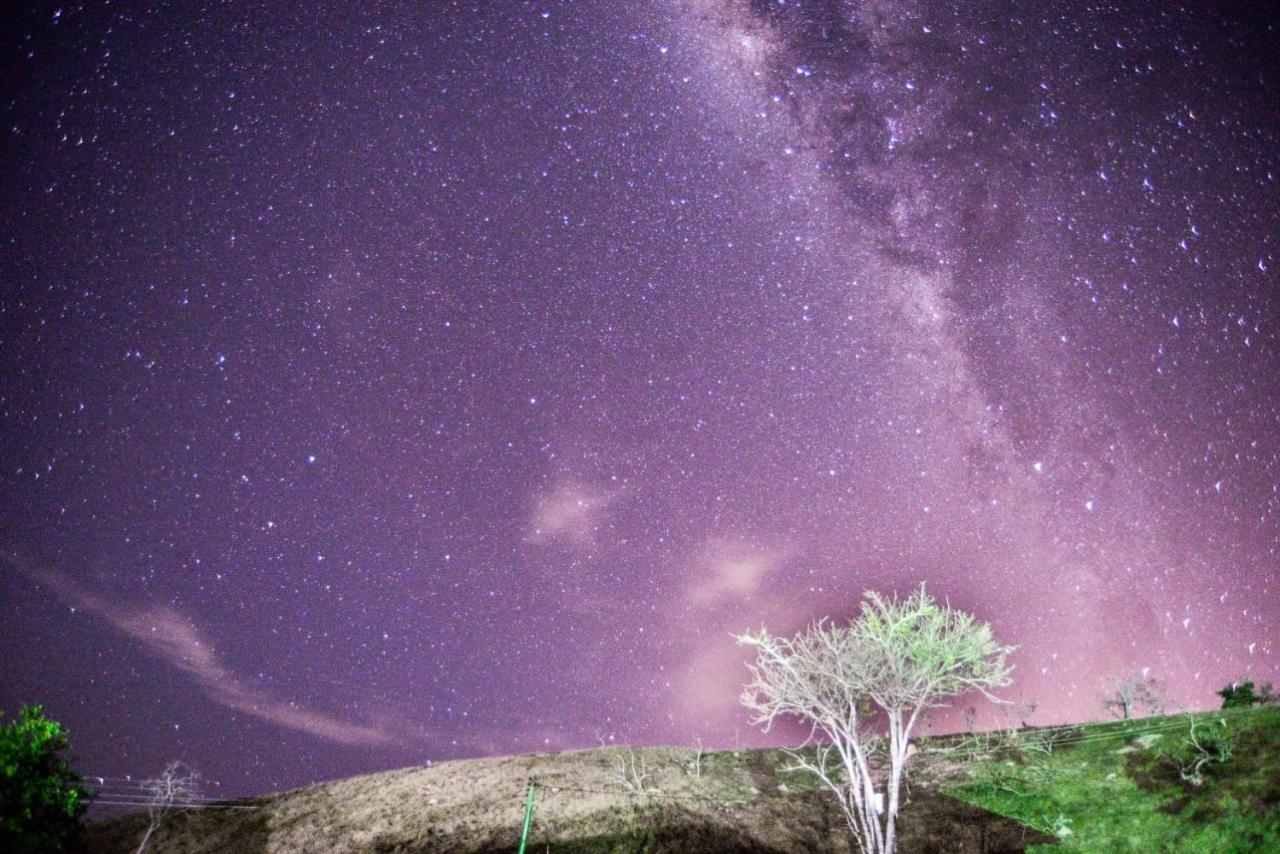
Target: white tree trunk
pixel 142 846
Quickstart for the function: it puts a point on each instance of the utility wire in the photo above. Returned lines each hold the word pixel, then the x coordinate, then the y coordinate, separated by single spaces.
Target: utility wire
pixel 143 788
pixel 1130 732
pixel 143 797
pixel 117 790
pixel 176 806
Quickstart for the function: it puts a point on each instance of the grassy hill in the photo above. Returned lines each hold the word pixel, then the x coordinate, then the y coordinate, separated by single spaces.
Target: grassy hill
pixel 1086 788
pixel 1117 787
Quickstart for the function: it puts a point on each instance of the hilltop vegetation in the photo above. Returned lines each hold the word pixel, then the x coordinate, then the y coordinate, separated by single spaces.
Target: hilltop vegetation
pixel 1087 788
pixel 1118 787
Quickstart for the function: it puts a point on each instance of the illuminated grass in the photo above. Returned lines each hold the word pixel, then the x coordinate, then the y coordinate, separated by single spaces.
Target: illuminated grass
pixel 1111 788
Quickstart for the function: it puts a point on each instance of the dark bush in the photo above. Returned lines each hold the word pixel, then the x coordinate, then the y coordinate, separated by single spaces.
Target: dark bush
pixel 41 799
pixel 1238 694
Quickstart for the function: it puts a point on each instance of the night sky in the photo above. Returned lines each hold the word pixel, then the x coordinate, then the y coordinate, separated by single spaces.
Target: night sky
pixel 394 382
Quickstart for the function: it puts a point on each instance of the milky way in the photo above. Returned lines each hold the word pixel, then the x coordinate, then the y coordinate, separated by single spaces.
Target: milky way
pixel 428 381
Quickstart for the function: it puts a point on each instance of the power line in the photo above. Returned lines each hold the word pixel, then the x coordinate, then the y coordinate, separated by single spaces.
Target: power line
pixel 130 779
pixel 1128 732
pixel 147 797
pixel 127 791
pixel 143 787
pixel 150 797
pixel 137 803
pixel 147 790
pixel 1091 724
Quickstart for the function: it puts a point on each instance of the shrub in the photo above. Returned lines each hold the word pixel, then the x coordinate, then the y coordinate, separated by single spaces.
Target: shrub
pixel 1238 694
pixel 41 798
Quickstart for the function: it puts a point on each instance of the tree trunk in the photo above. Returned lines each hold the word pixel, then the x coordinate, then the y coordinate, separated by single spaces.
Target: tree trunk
pixel 142 846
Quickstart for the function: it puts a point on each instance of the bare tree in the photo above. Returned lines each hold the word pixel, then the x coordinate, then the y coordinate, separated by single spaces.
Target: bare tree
pixel 900 656
pixel 697 757
pixel 1200 749
pixel 629 770
pixel 1125 696
pixel 177 787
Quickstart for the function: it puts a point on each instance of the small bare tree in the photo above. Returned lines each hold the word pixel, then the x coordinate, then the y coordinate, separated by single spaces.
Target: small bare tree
pixel 696 765
pixel 629 770
pixel 177 787
pixel 1125 696
pixel 901 656
pixel 1210 746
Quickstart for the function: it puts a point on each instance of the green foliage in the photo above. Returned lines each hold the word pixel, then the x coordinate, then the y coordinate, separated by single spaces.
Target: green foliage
pixel 927 650
pixel 1131 785
pixel 41 798
pixel 903 655
pixel 1238 694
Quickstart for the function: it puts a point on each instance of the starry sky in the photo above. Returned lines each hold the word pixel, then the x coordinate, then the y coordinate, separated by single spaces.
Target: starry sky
pixel 394 382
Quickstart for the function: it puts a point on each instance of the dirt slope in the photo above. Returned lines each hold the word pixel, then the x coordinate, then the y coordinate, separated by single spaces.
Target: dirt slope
pixel 740 802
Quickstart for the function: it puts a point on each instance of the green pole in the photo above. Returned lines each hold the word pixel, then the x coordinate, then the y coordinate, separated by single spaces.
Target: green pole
pixel 528 816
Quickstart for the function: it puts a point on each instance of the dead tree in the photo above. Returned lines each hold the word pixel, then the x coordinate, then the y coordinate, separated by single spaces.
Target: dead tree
pixel 1200 750
pixel 697 757
pixel 629 770
pixel 175 790
pixel 1125 696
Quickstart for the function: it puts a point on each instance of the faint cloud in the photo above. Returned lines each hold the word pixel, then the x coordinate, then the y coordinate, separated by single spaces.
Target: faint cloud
pixel 710 681
pixel 172 636
pixel 729 571
pixel 571 513
pixel 707 682
pixel 726 591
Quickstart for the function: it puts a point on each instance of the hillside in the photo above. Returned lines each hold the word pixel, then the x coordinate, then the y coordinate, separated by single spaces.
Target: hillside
pixel 1084 788
pixel 1112 786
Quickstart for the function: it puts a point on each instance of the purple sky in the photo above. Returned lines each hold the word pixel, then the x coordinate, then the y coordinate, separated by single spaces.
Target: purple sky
pixel 410 381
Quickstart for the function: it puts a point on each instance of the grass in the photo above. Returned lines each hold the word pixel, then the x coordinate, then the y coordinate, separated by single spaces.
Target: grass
pixel 1113 786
